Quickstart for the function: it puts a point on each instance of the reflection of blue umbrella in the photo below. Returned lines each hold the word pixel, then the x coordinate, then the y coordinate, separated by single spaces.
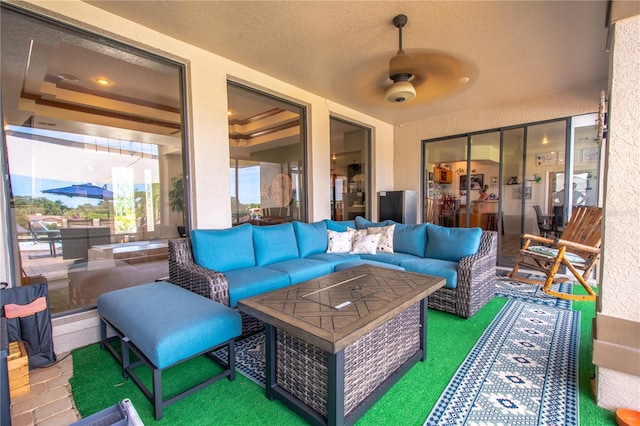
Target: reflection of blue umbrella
pixel 86 190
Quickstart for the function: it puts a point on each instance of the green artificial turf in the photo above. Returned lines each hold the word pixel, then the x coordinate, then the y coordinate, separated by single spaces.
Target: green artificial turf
pixel 590 413
pixel 97 383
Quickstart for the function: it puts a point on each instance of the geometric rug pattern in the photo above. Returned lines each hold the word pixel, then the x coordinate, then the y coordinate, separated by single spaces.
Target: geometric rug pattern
pixel 522 371
pixel 511 289
pixel 249 357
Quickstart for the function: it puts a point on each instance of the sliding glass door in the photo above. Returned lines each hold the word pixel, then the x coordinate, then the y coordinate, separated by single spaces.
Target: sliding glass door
pixel 514 180
pixel 350 170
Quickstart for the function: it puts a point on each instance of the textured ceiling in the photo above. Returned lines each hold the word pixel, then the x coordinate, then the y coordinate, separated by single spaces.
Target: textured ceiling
pixel 340 50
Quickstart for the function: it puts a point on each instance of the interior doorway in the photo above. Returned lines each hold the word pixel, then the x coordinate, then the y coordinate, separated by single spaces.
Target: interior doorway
pixel 350 170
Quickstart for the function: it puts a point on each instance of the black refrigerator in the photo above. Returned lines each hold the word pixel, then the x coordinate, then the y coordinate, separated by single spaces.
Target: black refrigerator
pixel 399 206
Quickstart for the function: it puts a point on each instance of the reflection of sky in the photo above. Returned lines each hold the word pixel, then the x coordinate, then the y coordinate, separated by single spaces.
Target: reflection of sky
pixel 33 171
pixel 249 180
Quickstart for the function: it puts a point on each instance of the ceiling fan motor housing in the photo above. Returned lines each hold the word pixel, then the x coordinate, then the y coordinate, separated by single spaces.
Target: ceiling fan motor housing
pixel 401 90
pixel 400 71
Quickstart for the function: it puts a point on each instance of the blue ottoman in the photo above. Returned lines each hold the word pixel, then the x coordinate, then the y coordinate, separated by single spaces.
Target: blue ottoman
pixel 359 262
pixel 164 324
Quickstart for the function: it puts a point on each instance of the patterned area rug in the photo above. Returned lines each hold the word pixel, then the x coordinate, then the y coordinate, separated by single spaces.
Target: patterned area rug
pixel 507 287
pixel 249 357
pixel 529 353
pixel 522 371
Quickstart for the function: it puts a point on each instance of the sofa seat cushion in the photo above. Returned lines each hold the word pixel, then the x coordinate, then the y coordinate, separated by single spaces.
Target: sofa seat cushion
pixel 334 258
pixel 224 249
pixel 248 282
pixel 410 239
pixel 359 262
pixel 300 270
pixel 392 258
pixel 311 237
pixel 274 243
pixel 440 268
pixel 451 243
pixel 168 323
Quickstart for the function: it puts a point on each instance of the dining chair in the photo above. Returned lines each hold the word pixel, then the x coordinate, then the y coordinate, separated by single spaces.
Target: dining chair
pixel 544 224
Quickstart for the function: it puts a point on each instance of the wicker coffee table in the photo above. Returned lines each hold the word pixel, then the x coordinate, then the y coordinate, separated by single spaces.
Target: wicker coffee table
pixel 337 343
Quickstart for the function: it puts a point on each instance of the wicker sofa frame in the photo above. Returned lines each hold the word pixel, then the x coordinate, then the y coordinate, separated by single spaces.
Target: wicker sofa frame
pixel 183 271
pixel 476 280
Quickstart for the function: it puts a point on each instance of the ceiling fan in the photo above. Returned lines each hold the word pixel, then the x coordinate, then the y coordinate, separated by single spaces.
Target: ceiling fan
pixel 424 74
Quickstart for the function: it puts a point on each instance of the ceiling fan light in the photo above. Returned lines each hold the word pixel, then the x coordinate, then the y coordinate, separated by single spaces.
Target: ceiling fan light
pixel 400 91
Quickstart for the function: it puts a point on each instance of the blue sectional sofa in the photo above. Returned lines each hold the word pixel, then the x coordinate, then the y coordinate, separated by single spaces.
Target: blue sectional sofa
pixel 228 265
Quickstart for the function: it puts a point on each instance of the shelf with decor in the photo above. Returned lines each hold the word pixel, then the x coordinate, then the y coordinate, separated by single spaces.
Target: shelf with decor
pixel 441 175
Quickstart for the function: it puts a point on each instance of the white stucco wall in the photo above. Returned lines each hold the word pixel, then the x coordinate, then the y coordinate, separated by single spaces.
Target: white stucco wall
pixel 620 266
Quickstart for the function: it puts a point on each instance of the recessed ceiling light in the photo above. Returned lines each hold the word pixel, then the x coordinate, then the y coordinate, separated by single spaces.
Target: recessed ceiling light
pixel 103 81
pixel 69 78
pixel 463 80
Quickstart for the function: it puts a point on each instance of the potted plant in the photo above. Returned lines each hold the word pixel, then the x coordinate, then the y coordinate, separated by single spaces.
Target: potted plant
pixel 176 198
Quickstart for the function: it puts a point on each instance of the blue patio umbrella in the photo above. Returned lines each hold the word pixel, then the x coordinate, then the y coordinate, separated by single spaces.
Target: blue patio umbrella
pixel 86 190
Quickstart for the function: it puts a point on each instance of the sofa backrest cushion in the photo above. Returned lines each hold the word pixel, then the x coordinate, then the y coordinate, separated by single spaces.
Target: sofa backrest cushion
pixel 311 237
pixel 224 249
pixel 362 223
pixel 451 243
pixel 274 243
pixel 340 226
pixel 410 239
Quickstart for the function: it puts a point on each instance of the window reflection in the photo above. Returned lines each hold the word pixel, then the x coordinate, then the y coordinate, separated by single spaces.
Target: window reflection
pixel 267 146
pixel 93 167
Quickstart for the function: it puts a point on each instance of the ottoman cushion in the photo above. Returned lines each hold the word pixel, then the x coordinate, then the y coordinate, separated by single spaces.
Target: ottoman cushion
pixel 168 323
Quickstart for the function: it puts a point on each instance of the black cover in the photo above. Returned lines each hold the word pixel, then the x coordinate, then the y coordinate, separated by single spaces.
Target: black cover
pixel 35 330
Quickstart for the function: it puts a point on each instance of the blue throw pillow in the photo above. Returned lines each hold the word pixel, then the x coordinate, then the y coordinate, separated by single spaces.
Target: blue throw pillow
pixel 274 243
pixel 311 237
pixel 362 223
pixel 410 239
pixel 340 226
pixel 224 249
pixel 451 243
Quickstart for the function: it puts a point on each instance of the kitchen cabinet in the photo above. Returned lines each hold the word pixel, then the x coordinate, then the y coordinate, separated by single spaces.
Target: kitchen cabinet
pixel 441 175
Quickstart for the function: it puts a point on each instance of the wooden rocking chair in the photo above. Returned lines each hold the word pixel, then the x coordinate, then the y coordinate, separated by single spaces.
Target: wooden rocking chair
pixel 578 248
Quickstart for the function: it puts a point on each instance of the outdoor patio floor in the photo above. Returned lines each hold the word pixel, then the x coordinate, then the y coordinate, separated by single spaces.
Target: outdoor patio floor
pixel 49 402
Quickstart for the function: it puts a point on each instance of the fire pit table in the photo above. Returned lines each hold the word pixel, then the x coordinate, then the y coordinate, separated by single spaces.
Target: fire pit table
pixel 337 343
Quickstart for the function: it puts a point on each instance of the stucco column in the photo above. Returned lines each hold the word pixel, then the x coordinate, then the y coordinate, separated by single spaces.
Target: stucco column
pixel 616 350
